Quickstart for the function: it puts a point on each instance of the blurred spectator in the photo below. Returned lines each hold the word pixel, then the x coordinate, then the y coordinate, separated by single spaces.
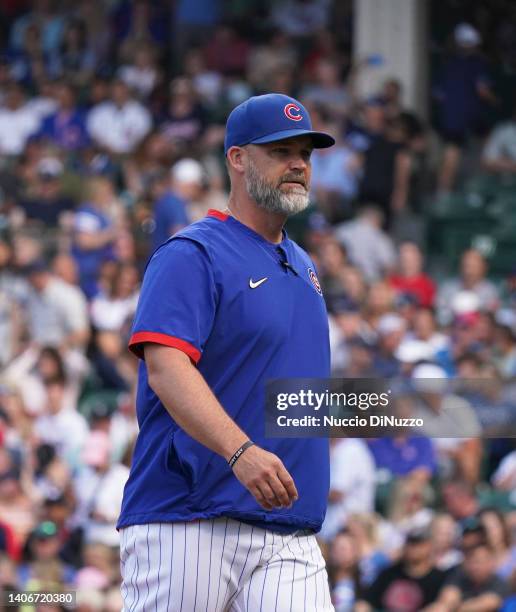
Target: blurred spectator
pixel 460 501
pixel 94 227
pixel 60 424
pixel 500 150
pixel 385 180
pixel 327 91
pixel 17 121
pixel 45 201
pixel 364 528
pixel 142 75
pixel 499 540
pixel 16 506
pixel 410 277
pixel 368 246
pixel 404 456
pixel 473 272
pixel 410 585
pixel 504 346
pixel 391 329
pixel 99 491
pixel 44 15
pixel 277 53
pixel 120 123
pixel 43 546
pixel 335 175
pixel 351 491
pixel 504 477
pixel 184 121
pixel 444 538
pixel 227 51
pixel 66 128
pixel 446 417
pixel 56 311
pixel 110 310
pixel 475 585
pixel 35 366
pixel 76 59
pixel 300 18
pixel 170 213
pixel 462 90
pixel 343 571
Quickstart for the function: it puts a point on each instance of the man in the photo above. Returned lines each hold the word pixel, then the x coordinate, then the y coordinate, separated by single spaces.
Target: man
pixel 474 586
pixel 450 421
pixel 175 195
pixel 410 585
pixel 210 519
pixel 56 312
pixel 369 247
pixel 473 279
pixel 120 123
pixel 351 491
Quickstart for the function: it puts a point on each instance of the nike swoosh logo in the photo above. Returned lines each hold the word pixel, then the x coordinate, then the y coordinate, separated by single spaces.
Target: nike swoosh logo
pixel 254 284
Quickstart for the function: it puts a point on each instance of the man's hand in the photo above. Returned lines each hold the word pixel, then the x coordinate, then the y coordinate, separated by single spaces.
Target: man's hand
pixel 265 477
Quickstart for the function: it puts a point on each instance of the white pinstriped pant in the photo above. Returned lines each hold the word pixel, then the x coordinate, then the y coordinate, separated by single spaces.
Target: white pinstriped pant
pixel 221 565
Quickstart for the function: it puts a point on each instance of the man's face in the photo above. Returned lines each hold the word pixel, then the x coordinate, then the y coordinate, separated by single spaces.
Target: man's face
pixel 479 564
pixel 418 552
pixel 278 174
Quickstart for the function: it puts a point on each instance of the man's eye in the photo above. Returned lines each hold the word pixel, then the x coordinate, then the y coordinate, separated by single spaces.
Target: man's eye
pixel 281 150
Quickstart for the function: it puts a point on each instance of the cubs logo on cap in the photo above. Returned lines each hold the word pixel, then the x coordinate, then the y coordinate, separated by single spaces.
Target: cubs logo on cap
pixel 268 118
pixel 292 112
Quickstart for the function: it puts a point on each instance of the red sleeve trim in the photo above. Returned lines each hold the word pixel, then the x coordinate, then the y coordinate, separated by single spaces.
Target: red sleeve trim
pixel 139 338
pixel 217 214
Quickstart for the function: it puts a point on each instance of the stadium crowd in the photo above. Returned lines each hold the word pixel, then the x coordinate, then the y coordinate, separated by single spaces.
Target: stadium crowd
pixel 111 130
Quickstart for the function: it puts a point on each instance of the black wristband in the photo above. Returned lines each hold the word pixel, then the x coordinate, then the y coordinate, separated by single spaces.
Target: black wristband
pixel 239 452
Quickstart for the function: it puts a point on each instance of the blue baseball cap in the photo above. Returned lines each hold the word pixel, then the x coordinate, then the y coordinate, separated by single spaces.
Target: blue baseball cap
pixel 271 117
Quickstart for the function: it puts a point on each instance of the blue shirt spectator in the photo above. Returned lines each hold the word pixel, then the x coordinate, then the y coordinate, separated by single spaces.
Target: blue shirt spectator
pixel 66 128
pixel 169 216
pixel 402 456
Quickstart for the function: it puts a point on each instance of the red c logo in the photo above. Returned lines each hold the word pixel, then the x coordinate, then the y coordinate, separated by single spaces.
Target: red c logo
pixel 290 115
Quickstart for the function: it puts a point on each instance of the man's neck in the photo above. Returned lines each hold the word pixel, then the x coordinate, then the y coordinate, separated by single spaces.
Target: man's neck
pixel 263 222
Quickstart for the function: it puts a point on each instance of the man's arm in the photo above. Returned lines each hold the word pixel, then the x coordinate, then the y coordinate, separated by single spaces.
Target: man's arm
pixel 194 407
pixel 448 600
pixel 488 602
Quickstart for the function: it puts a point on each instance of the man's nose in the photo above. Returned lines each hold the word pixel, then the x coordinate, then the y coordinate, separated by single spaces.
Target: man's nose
pixel 298 163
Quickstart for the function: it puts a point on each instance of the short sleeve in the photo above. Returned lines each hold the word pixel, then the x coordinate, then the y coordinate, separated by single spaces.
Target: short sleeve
pixel 178 300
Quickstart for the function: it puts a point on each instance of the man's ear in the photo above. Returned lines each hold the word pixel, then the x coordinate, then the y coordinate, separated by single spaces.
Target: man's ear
pixel 236 158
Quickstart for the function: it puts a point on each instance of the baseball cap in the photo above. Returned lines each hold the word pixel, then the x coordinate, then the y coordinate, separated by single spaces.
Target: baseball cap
pixel 466 35
pixel 418 534
pixel 268 118
pixel 187 171
pixel 45 529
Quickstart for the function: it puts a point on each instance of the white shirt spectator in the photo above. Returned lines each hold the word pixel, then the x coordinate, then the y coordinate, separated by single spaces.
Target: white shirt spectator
pixel 505 475
pixel 66 431
pixel 501 144
pixel 109 314
pixel 59 310
pixel 455 418
pixel 352 473
pixel 119 129
pixel 16 126
pixel 102 494
pixel 369 248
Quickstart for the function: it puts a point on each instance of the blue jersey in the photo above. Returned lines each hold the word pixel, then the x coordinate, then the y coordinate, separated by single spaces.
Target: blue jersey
pixel 204 293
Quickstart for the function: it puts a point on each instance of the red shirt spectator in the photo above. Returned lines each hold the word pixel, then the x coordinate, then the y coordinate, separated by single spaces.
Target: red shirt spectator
pixel 410 277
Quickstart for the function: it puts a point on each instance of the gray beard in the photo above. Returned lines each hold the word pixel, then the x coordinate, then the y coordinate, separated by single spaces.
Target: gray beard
pixel 271 198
